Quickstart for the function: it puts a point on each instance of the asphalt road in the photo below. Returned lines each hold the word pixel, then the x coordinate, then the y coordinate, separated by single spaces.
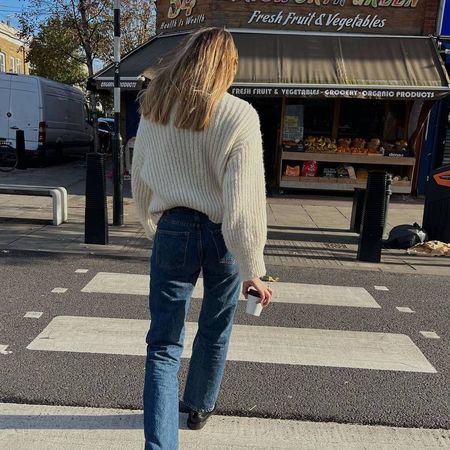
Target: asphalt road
pixel 249 389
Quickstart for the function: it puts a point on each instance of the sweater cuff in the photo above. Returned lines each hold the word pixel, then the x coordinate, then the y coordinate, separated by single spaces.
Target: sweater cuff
pixel 253 267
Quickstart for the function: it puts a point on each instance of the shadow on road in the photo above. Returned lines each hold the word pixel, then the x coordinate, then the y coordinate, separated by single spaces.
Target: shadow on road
pixel 78 422
pixel 312 237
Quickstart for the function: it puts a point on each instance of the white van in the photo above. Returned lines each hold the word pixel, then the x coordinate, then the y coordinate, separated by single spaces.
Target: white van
pixel 54 116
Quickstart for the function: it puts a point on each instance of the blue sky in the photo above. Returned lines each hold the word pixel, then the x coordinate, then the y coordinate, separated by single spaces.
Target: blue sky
pixel 9 10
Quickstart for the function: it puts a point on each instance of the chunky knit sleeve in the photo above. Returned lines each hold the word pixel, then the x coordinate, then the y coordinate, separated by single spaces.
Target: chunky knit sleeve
pixel 142 194
pixel 245 221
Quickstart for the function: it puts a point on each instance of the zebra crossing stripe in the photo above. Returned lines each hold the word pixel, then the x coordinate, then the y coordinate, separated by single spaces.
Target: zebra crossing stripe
pixel 277 345
pixel 56 427
pixel 298 293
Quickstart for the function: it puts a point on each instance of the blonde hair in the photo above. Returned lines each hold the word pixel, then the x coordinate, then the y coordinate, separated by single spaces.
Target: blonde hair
pixel 193 80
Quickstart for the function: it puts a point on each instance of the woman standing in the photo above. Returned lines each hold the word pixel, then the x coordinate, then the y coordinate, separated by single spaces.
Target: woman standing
pixel 198 174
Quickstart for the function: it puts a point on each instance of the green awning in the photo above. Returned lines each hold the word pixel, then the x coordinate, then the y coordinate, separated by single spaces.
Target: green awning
pixel 311 65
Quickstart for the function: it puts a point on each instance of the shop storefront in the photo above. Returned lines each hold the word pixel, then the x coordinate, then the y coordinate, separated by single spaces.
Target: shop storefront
pixel 340 87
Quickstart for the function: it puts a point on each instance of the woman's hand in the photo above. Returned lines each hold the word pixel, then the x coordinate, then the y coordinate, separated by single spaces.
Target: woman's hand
pixel 265 292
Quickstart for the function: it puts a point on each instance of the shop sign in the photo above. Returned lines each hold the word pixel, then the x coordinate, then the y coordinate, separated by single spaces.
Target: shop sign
pixel 392 94
pixel 124 84
pixel 181 14
pixel 347 16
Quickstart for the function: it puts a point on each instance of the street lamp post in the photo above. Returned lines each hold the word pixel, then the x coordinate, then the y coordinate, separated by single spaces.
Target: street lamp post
pixel 117 149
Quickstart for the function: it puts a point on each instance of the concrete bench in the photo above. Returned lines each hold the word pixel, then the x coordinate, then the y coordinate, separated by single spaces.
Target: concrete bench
pixel 58 194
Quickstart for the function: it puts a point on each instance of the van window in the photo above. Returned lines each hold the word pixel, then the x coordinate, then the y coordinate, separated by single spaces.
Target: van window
pixel 2 62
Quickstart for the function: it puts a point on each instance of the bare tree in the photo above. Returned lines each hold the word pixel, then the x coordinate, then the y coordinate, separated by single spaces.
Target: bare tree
pixel 138 23
pixel 92 23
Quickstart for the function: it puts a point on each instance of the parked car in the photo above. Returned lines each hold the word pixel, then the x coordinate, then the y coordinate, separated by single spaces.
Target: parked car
pixel 105 132
pixel 54 116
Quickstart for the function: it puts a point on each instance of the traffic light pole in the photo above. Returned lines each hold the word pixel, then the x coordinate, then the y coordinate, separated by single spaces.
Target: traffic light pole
pixel 117 149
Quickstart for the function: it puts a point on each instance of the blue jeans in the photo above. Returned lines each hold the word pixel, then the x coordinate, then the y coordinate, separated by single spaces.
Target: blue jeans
pixel 186 241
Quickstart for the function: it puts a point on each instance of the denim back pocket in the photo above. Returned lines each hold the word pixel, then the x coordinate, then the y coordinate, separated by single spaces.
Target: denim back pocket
pixel 171 248
pixel 224 256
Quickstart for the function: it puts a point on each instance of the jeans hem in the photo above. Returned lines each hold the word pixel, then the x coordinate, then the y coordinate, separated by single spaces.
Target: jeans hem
pixel 193 408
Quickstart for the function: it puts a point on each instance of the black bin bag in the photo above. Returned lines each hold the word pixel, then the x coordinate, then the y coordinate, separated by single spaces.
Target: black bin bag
pixel 406 236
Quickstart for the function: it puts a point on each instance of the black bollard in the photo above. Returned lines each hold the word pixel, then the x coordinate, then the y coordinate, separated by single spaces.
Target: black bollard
pixel 20 150
pixel 96 213
pixel 374 216
pixel 357 210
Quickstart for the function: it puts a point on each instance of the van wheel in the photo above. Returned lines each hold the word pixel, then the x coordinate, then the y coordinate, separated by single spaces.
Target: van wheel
pixel 42 157
pixel 59 153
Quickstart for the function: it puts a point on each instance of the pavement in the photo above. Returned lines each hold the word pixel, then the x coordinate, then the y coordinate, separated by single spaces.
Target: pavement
pixel 348 355
pixel 304 231
pixel 56 428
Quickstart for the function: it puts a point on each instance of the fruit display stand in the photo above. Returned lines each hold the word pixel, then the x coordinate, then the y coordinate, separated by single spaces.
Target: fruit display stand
pixel 336 149
pixel 345 184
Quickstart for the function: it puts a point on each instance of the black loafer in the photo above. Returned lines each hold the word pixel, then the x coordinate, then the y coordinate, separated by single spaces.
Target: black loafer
pixel 197 420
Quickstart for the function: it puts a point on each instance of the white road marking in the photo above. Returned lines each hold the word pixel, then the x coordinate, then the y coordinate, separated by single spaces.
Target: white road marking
pixel 405 309
pixel 3 350
pixel 57 427
pixel 381 288
pixel 59 290
pixel 298 293
pixel 82 271
pixel 33 315
pixel 276 345
pixel 429 335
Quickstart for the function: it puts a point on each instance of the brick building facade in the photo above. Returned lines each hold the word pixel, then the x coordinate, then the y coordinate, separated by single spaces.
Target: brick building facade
pixel 12 51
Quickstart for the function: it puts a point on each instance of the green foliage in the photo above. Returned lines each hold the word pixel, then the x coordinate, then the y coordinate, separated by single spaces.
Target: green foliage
pixel 55 53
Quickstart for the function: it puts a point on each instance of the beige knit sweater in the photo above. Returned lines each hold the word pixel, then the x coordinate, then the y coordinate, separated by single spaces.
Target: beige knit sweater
pixel 218 171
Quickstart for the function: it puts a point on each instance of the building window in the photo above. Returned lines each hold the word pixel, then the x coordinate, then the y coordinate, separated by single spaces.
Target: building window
pixel 11 64
pixel 2 62
pixel 18 65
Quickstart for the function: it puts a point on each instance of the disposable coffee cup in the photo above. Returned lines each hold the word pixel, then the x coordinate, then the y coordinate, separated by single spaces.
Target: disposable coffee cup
pixel 253 308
